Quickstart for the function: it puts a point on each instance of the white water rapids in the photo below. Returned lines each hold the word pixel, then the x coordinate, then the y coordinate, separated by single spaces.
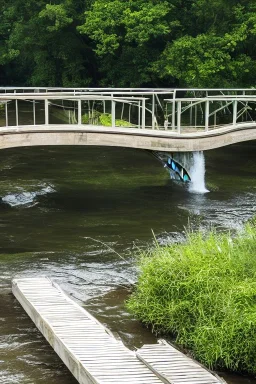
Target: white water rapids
pixel 197 174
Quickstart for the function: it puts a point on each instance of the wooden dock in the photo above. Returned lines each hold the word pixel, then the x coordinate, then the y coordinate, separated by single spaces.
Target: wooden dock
pixel 172 366
pixel 91 352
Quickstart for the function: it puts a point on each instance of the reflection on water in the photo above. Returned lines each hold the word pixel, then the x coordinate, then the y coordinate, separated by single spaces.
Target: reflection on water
pixel 63 209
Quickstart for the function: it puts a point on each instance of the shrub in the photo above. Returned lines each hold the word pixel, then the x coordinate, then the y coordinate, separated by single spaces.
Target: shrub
pixel 91 118
pixel 85 118
pixel 203 293
pixel 106 120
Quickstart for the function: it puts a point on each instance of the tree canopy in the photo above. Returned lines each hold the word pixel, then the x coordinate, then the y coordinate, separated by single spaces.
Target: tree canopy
pixel 193 43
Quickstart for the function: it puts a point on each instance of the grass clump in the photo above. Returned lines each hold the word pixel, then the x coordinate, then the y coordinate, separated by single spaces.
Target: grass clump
pixel 203 293
pixel 85 118
pixel 106 120
pixel 2 107
pixel 91 118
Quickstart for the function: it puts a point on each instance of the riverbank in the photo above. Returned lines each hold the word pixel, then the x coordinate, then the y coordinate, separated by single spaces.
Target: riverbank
pixel 203 293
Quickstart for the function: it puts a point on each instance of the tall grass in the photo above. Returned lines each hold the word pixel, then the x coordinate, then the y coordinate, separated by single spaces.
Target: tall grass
pixel 203 293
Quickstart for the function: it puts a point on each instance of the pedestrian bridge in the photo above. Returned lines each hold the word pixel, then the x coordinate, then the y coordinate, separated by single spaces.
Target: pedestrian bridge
pixel 183 120
pixel 164 121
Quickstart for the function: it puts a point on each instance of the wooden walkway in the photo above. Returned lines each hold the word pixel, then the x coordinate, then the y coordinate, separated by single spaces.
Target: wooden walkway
pixel 172 366
pixel 91 352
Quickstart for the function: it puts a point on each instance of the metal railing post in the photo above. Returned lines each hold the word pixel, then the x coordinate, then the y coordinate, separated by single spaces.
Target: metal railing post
pixel 139 113
pixel 173 111
pixel 79 111
pixel 6 114
pixel 234 112
pixel 34 112
pixel 246 111
pixel 153 111
pixel 143 123
pixel 16 110
pixel 207 109
pixel 113 113
pixel 46 112
pixel 191 114
pixel 179 116
pixel 195 115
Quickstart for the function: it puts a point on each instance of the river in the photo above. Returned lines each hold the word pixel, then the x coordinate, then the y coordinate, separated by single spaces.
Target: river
pixel 80 215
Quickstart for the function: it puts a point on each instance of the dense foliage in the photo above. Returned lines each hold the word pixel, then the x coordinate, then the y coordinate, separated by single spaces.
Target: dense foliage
pixel 128 43
pixel 203 292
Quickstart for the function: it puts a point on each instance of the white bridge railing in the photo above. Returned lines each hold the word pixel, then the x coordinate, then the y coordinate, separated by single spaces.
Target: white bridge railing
pixel 178 110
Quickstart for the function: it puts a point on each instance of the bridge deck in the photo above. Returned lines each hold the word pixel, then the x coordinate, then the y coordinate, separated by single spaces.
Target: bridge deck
pixel 91 352
pixel 154 140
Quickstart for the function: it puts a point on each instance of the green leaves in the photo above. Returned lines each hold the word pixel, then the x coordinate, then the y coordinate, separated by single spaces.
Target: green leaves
pixel 190 43
pixel 209 60
pixel 8 55
pixel 147 21
pixel 56 14
pixel 41 41
pixel 110 23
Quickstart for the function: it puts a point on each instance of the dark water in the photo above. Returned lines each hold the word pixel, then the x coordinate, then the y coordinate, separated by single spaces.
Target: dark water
pixel 64 209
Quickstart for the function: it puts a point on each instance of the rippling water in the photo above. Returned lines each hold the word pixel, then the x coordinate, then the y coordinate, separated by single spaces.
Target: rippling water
pixel 79 215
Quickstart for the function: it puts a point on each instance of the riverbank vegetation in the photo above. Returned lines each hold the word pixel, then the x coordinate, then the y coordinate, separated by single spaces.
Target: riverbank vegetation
pixel 192 43
pixel 105 119
pixel 203 294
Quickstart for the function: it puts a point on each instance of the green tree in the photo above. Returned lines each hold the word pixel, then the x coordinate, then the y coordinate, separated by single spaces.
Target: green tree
pixel 221 55
pixel 127 36
pixel 41 44
pixel 136 43
pixel 190 43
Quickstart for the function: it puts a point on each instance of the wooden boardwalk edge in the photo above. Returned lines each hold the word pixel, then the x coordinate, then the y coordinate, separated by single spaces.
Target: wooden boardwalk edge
pixel 73 364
